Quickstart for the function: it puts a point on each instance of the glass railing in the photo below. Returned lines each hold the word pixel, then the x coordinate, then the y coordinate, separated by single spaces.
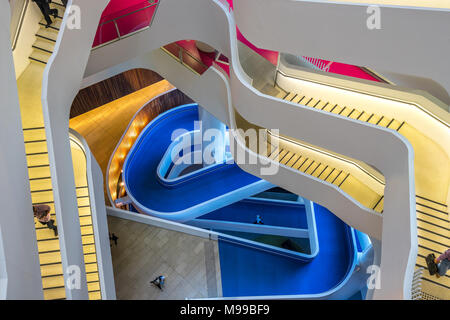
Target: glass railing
pixel 128 22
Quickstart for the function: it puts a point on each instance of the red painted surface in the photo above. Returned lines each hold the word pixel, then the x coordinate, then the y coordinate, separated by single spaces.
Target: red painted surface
pixel 128 22
pixel 272 56
pixel 206 58
pixel 346 69
pixel 117 8
pixel 334 67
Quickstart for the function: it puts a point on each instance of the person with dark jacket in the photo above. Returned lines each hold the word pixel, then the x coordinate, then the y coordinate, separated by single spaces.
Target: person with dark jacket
pixel 44 5
pixel 443 263
pixel 159 282
pixel 42 213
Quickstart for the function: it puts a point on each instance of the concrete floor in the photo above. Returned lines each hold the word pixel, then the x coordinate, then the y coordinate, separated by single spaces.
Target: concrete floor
pixel 190 264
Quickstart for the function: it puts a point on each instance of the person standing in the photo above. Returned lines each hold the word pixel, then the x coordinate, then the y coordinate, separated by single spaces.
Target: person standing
pixel 42 213
pixel 443 263
pixel 44 6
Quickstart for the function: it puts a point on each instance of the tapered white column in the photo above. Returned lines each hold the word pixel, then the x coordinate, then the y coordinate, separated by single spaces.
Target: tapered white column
pixel 213 133
pixel 20 274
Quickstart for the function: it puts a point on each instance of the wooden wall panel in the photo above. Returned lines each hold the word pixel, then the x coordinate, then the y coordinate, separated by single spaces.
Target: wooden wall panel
pixel 112 89
pixel 143 117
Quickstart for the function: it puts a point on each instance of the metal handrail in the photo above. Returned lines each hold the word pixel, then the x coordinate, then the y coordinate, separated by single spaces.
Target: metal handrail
pixel 189 54
pixel 119 36
pixel 15 38
pixel 128 13
pixel 180 57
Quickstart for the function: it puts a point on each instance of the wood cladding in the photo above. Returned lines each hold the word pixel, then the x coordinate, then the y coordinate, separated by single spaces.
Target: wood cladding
pixel 104 126
pixel 144 116
pixel 112 89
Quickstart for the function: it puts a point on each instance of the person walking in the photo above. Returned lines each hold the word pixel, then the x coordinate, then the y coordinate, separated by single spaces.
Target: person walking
pixel 42 213
pixel 258 220
pixel 159 282
pixel 114 238
pixel 44 6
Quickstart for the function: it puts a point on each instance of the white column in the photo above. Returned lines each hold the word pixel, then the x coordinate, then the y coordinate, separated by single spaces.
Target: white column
pixel 20 274
pixel 213 133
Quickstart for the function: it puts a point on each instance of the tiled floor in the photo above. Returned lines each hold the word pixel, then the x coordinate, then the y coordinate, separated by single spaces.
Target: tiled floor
pixel 190 264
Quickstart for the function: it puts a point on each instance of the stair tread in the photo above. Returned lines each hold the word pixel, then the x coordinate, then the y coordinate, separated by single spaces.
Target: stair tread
pixel 290 96
pixel 374 119
pixel 379 206
pixel 45 233
pixel 56 22
pixel 384 122
pixel 42 197
pixel 82 202
pixel 88 248
pixel 47 33
pixel 95 295
pixel 92 277
pixel 44 184
pixel 94 286
pixel 305 165
pixel 46 246
pixel 36 147
pixel 364 117
pixel 37 160
pixel 46 45
pixel 355 114
pixel 337 109
pixel 51 270
pixel 35 134
pixel 50 258
pixel 40 55
pixel 91 267
pixel 310 102
pixel 90 257
pixel 53 294
pixel 53 281
pixel 85 211
pixel 39 172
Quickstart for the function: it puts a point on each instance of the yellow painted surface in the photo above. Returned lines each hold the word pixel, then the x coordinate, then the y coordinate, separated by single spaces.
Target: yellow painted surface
pixel 103 127
pixel 29 89
pixel 432 179
pixel 87 230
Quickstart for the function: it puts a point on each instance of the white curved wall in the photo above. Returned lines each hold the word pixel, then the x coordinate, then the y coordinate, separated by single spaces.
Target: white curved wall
pixel 411 40
pixel 26 38
pixel 61 82
pixel 99 220
pixel 20 274
pixel 396 162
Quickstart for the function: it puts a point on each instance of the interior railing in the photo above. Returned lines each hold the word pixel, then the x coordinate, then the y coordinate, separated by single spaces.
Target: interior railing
pixel 18 15
pixel 185 57
pixel 135 19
